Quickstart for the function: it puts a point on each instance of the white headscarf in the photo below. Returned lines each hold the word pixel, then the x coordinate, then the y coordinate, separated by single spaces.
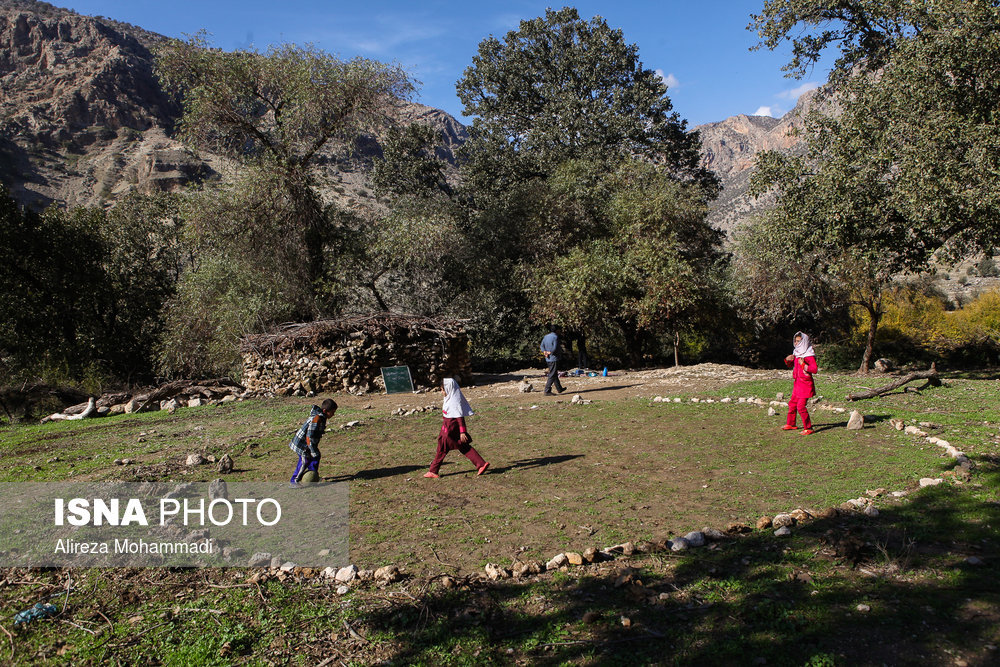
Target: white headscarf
pixel 803 349
pixel 454 404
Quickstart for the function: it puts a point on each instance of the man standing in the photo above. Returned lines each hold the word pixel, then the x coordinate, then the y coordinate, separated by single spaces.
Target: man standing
pixel 550 348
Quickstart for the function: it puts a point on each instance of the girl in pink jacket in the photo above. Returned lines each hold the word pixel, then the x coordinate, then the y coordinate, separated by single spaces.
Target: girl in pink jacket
pixel 802 361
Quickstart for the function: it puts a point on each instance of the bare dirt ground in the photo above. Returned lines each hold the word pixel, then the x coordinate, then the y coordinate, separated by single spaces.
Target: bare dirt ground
pixel 619 384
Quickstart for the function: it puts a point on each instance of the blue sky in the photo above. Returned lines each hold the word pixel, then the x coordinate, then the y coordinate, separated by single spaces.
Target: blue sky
pixel 701 48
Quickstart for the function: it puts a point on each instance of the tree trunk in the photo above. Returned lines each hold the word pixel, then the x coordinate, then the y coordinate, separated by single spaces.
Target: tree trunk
pixel 378 297
pixel 633 343
pixel 677 344
pixel 874 309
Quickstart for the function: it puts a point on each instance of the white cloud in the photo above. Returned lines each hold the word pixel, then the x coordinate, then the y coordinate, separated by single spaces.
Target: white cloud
pixel 764 111
pixel 388 35
pixel 798 91
pixel 670 80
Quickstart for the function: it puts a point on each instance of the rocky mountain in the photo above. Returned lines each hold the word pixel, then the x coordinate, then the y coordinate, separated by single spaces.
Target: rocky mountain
pixel 83 119
pixel 730 147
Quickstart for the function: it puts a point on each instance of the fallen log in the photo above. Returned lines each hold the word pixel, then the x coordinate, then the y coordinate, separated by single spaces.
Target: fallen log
pixel 63 416
pixel 930 375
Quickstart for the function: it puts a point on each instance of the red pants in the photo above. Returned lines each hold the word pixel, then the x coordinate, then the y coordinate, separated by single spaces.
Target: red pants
pixel 448 439
pixel 798 404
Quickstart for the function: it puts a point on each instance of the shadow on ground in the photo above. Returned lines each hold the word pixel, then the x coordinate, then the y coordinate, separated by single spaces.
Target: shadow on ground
pixel 916 585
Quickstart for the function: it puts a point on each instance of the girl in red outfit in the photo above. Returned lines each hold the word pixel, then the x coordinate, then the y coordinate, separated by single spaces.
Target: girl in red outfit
pixel 453 434
pixel 803 364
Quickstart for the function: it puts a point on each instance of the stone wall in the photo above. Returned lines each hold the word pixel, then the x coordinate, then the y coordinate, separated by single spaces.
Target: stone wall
pixel 348 355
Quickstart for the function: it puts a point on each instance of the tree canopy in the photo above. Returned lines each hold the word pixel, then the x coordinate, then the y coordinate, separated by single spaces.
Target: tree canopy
pixel 285 105
pixel 906 168
pixel 560 88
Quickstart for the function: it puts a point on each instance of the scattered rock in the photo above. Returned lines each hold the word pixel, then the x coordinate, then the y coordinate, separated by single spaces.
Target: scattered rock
pixel 713 534
pixel 526 569
pixel 737 527
pixel 973 560
pixel 496 572
pixel 260 559
pixel 695 539
pixel 346 574
pixel 591 617
pixel 195 460
pixel 679 544
pixel 897 424
pixel 863 608
pixel 782 520
pixel 226 464
pixel 913 430
pixel 771 412
pixel 195 403
pixel 800 515
pixel 574 558
pixel 387 574
pixel 764 522
pixel 856 421
pixel 784 531
pixel 870 511
pixel 525 387
pixel 557 561
pixel 590 554
pixel 218 489
pixel 928 481
pixel 828 513
pixel 446 582
pixel 780 396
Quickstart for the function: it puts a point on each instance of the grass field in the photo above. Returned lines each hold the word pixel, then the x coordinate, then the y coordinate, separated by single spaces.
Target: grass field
pixel 563 477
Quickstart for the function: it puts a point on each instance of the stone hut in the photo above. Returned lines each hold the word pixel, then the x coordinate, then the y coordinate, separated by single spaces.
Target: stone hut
pixel 348 354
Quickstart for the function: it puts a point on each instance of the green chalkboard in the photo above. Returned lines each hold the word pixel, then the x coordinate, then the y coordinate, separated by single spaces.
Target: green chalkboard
pixel 397 379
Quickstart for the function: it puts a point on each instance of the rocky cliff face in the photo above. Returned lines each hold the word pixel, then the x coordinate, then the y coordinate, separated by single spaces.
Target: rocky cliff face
pixel 83 119
pixel 730 147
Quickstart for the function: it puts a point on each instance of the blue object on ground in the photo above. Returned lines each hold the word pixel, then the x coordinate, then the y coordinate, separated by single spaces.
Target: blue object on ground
pixel 605 373
pixel 40 610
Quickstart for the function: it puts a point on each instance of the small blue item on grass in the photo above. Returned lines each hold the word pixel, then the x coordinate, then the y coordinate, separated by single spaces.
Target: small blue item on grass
pixel 605 372
pixel 591 374
pixel 40 610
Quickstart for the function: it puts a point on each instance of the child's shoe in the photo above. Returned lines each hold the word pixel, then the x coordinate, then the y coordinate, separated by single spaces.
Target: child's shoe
pixel 483 469
pixel 789 427
pixel 432 475
pixel 808 431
